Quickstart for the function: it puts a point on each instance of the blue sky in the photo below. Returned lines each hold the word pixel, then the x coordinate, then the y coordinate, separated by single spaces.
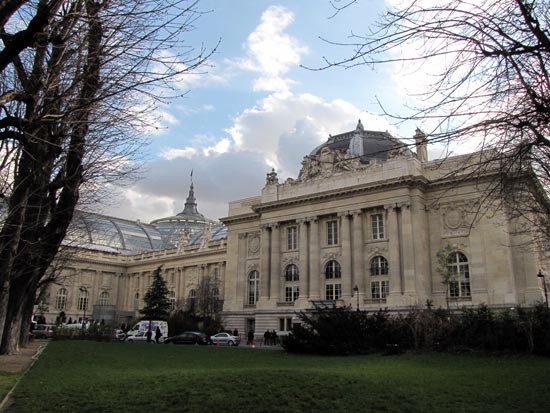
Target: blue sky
pixel 256 107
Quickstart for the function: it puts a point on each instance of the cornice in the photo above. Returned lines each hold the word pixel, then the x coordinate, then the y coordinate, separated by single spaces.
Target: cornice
pixel 239 218
pixel 404 181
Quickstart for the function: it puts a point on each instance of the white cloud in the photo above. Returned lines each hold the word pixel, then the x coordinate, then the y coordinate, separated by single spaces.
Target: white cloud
pixel 278 132
pixel 271 52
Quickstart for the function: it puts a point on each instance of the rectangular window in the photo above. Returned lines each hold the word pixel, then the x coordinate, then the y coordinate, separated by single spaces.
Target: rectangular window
pixel 292 238
pixel 377 223
pixel 285 324
pixel 380 289
pixel 333 291
pixel 332 233
pixel 292 293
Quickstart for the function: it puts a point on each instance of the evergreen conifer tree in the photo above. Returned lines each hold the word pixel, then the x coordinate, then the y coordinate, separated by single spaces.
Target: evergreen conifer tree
pixel 157 303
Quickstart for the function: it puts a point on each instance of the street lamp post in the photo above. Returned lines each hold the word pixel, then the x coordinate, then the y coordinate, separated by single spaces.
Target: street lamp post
pixel 356 292
pixel 541 275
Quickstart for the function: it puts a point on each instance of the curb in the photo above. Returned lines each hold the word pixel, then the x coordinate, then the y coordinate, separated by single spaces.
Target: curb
pixel 5 404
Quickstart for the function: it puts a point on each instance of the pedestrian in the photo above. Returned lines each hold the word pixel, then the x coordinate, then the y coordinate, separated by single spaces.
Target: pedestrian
pixel 158 335
pixel 148 335
pixel 236 333
pixel 274 337
pixel 250 337
pixel 266 337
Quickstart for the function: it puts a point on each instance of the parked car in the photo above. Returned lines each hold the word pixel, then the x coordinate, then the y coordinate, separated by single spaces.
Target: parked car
pixel 139 336
pixel 43 330
pixel 188 337
pixel 118 334
pixel 225 339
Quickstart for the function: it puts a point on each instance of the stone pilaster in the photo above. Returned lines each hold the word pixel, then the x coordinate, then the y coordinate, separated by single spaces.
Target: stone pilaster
pixel 358 256
pixel 314 263
pixel 265 248
pixel 275 267
pixel 394 259
pixel 346 255
pixel 409 273
pixel 304 259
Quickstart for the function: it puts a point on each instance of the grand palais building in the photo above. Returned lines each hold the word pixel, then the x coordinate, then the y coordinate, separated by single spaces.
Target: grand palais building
pixel 360 226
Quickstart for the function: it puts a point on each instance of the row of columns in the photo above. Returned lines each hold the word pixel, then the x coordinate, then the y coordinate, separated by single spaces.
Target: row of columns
pixel 354 266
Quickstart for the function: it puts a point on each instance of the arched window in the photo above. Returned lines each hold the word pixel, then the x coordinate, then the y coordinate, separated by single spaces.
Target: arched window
pixel 291 273
pixel 193 293
pixel 61 299
pixel 333 287
pixel 379 266
pixel 104 298
pixel 332 270
pixel 253 287
pixel 292 288
pixel 83 299
pixel 215 293
pixel 459 271
pixel 380 284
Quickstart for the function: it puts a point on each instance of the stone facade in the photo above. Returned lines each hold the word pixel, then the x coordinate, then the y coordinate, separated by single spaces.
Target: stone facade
pixel 352 230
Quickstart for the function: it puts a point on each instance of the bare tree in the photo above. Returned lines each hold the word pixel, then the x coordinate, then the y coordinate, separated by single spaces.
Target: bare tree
pixel 489 62
pixel 80 81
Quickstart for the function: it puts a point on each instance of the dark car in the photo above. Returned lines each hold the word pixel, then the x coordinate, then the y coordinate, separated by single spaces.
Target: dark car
pixel 188 337
pixel 43 330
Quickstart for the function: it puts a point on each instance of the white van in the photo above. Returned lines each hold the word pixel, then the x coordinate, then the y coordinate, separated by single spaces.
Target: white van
pixel 138 331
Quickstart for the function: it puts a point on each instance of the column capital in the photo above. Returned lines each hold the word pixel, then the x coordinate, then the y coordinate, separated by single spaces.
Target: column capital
pixel 357 212
pixel 344 214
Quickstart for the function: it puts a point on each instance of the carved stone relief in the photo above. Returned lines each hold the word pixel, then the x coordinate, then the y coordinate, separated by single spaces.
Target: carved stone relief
pixel 253 245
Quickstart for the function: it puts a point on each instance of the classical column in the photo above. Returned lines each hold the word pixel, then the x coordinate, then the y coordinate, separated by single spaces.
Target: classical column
pixel 394 259
pixel 241 277
pixel 408 252
pixel 275 267
pixel 357 256
pixel 265 248
pixel 304 259
pixel 346 254
pixel 314 264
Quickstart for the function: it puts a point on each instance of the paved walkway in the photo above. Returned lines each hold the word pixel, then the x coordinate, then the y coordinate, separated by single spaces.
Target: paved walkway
pixel 15 363
pixel 19 363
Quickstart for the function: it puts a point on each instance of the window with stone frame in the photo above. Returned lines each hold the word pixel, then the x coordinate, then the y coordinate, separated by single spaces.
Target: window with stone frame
pixel 459 284
pixel 380 284
pixel 292 293
pixel 103 298
pixel 292 238
pixel 83 299
pixel 333 287
pixel 285 324
pixel 172 300
pixel 333 290
pixel 253 287
pixel 379 289
pixel 332 270
pixel 377 225
pixel 292 278
pixel 332 232
pixel 61 299
pixel 378 266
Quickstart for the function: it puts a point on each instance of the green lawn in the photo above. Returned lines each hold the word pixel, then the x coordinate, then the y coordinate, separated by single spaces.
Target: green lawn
pixel 107 377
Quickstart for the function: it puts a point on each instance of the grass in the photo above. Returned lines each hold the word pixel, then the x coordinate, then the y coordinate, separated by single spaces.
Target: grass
pixel 80 376
pixel 7 380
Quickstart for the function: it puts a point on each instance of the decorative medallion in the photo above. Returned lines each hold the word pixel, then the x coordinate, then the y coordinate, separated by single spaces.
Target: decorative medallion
pixel 253 245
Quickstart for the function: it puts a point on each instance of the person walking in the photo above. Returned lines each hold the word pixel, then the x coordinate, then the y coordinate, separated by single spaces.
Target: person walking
pixel 250 337
pixel 148 335
pixel 158 335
